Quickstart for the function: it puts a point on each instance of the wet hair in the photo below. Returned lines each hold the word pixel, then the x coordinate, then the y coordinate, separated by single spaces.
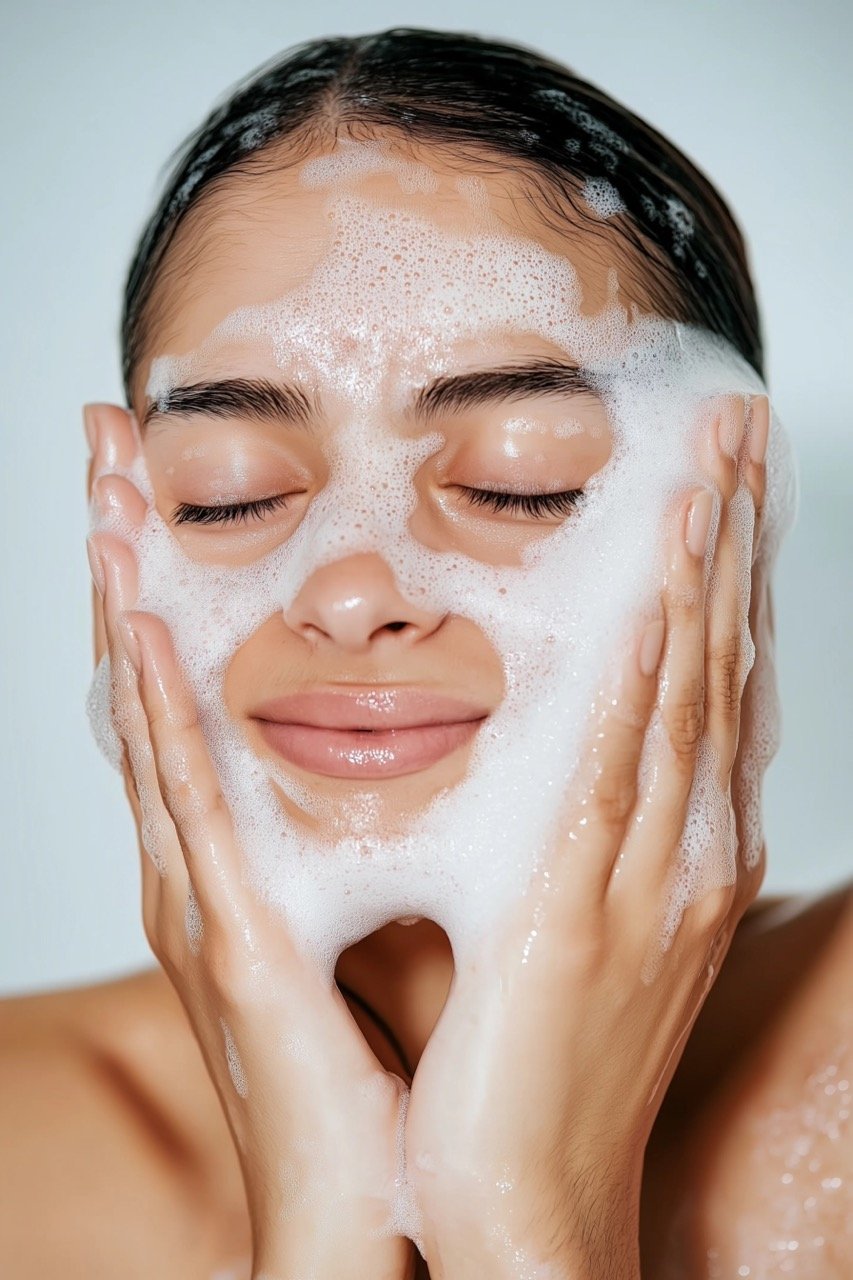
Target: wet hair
pixel 462 92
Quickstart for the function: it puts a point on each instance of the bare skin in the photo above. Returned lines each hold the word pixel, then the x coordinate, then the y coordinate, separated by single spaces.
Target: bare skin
pixel 123 1163
pixel 139 1136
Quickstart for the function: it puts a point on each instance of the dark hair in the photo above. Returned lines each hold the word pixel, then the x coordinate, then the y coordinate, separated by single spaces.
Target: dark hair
pixel 462 91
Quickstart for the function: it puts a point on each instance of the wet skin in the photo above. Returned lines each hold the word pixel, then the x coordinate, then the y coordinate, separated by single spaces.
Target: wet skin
pixel 136 1118
pixel 122 1163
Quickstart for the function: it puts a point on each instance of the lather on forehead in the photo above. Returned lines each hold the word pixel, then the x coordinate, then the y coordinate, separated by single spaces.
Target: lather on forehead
pixel 396 300
pixel 262 235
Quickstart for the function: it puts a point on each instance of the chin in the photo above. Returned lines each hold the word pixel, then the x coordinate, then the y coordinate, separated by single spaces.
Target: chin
pixel 336 808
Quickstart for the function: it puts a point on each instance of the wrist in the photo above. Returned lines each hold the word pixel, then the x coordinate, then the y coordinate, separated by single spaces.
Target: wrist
pixel 331 1241
pixel 319 1252
pixel 584 1238
pixel 610 1259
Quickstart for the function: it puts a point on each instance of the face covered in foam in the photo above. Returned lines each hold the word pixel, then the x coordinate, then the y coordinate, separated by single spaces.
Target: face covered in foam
pixel 423 353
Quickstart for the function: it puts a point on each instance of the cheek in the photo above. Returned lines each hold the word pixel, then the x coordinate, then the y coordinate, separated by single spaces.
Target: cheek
pixel 440 529
pixel 258 665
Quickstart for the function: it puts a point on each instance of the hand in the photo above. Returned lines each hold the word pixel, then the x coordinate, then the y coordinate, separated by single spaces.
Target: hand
pixel 313 1115
pixel 534 1099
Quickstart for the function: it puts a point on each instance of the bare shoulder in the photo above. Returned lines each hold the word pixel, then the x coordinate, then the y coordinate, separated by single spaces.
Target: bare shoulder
pixel 760 1178
pixel 105 1110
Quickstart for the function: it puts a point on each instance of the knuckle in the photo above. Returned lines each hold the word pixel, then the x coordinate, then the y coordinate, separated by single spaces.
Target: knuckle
pixel 682 601
pixel 748 886
pixel 160 938
pixel 180 797
pixel 158 722
pixel 714 908
pixel 150 907
pixel 724 675
pixel 615 796
pixel 152 936
pixel 686 720
pixel 191 807
pixel 225 963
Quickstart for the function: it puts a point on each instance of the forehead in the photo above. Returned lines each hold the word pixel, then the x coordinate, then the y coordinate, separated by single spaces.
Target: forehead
pixel 381 226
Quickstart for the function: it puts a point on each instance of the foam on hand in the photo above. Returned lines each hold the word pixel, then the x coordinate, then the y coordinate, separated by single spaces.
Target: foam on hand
pixel 395 287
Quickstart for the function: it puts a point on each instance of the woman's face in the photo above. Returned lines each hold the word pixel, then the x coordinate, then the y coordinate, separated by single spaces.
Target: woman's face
pixel 410 454
pixel 233 483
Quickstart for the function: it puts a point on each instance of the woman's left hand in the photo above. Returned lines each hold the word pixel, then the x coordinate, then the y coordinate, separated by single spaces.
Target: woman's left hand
pixel 534 1099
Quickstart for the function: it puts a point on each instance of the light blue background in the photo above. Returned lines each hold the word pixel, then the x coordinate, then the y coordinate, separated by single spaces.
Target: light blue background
pixel 94 96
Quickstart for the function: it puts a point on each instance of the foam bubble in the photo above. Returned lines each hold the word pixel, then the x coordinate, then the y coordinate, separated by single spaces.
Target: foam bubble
pixel 397 292
pixel 232 1057
pixel 352 159
pixel 98 711
pixel 602 197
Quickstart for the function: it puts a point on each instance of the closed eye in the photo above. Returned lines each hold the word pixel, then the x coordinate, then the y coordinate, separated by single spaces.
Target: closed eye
pixel 228 512
pixel 533 505
pixel 536 505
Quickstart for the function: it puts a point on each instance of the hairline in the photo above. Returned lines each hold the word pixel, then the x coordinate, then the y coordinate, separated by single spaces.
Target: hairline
pixel 552 194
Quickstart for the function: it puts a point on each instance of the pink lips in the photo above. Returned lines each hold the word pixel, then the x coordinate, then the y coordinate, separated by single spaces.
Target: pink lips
pixel 380 732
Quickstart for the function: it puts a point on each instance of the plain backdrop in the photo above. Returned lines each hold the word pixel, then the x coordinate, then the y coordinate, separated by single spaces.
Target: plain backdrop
pixel 95 96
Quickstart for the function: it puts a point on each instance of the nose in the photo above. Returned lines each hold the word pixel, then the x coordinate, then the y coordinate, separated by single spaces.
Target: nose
pixel 354 603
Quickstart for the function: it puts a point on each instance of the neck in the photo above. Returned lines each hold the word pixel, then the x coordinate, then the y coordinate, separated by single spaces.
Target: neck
pixel 403 973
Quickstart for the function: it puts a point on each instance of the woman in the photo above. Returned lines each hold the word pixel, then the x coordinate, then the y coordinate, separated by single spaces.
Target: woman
pixel 557 1125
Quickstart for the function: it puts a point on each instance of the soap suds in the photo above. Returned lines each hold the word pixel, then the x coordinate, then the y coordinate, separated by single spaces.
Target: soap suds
pixel 602 197
pixel 380 316
pixel 396 284
pixel 235 1066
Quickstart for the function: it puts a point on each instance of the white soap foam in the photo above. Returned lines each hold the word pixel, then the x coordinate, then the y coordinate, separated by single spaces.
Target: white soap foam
pixel 378 318
pixel 232 1057
pixel 602 197
pixel 351 159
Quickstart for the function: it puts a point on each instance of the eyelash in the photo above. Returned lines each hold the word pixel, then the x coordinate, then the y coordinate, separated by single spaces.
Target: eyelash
pixel 528 504
pixel 227 512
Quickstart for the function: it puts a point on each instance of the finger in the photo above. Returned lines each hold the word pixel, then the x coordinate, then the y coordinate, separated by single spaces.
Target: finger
pixel 758 738
pixel 728 594
pixel 674 744
pixel 604 795
pixel 117 507
pixel 682 704
pixel 755 463
pixel 113 438
pixel 117 501
pixel 114 568
pixel 723 443
pixel 188 782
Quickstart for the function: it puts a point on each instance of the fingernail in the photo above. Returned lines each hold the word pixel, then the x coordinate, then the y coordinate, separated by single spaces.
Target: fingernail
pixel 758 438
pixel 699 523
pixel 96 565
pixel 89 427
pixel 130 640
pixel 730 429
pixel 651 647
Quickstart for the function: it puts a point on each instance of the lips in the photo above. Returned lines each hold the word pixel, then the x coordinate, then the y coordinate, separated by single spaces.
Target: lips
pixel 375 732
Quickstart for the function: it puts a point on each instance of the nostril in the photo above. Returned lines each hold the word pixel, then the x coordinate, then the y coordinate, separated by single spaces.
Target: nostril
pixel 395 626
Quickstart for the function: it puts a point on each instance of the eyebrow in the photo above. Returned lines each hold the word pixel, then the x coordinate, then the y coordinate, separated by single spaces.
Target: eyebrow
pixel 266 401
pixel 257 399
pixel 538 377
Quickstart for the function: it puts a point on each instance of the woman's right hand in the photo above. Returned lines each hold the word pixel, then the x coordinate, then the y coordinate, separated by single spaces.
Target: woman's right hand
pixel 313 1114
